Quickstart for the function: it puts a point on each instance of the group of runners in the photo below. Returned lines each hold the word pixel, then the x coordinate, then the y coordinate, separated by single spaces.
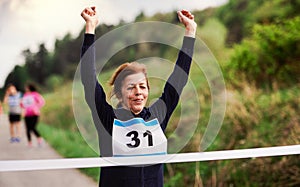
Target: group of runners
pixel 18 106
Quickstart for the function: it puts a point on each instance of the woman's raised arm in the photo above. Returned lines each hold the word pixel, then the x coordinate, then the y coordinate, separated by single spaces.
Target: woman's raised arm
pixel 90 16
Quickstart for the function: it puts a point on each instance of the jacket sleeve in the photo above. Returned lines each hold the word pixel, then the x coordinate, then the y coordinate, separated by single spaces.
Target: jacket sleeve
pixel 168 101
pixel 40 101
pixel 95 96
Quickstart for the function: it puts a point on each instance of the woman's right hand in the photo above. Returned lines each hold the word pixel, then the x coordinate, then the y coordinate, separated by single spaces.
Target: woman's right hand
pixel 187 18
pixel 90 16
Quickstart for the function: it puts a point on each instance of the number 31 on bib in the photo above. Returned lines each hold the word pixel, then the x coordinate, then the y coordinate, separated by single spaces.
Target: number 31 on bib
pixel 136 137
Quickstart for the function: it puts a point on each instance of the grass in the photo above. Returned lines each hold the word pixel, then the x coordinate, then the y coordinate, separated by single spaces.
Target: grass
pixel 70 145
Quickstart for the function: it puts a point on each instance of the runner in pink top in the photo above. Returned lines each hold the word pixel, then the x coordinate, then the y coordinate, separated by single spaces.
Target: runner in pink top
pixel 32 102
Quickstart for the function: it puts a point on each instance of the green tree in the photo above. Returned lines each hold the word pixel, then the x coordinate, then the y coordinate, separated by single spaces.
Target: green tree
pixel 37 64
pixel 271 54
pixel 18 77
pixel 240 15
pixel 64 55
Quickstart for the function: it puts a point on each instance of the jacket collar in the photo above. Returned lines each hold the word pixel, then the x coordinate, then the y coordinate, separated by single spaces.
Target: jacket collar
pixel 124 114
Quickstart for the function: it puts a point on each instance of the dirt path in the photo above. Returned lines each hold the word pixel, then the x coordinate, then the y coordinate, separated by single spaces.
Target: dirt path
pixel 42 178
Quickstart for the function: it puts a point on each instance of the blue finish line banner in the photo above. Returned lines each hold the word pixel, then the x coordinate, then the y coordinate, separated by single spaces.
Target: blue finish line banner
pixel 26 165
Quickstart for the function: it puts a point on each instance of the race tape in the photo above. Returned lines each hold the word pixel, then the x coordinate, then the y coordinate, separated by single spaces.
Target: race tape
pixel 25 165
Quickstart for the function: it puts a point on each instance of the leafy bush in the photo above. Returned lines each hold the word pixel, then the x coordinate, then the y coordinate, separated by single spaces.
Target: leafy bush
pixel 58 108
pixel 53 82
pixel 270 55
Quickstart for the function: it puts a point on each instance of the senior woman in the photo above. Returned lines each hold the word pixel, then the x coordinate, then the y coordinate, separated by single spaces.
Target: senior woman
pixel 132 129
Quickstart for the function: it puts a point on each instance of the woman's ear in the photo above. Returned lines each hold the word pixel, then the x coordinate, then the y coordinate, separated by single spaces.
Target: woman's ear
pixel 119 97
pixel 120 101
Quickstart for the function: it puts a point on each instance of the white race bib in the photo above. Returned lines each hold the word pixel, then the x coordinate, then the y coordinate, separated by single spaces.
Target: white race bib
pixel 136 137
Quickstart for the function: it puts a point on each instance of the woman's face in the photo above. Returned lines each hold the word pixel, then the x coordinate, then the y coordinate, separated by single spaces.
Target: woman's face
pixel 12 90
pixel 134 92
pixel 27 89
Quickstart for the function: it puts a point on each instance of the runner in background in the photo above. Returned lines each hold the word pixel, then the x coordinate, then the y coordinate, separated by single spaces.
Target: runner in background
pixel 13 99
pixel 32 102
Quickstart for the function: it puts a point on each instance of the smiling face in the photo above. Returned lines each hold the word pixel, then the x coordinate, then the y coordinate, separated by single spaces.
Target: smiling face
pixel 134 92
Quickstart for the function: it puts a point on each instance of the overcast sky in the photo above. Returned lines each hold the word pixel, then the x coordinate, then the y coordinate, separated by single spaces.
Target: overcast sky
pixel 27 23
